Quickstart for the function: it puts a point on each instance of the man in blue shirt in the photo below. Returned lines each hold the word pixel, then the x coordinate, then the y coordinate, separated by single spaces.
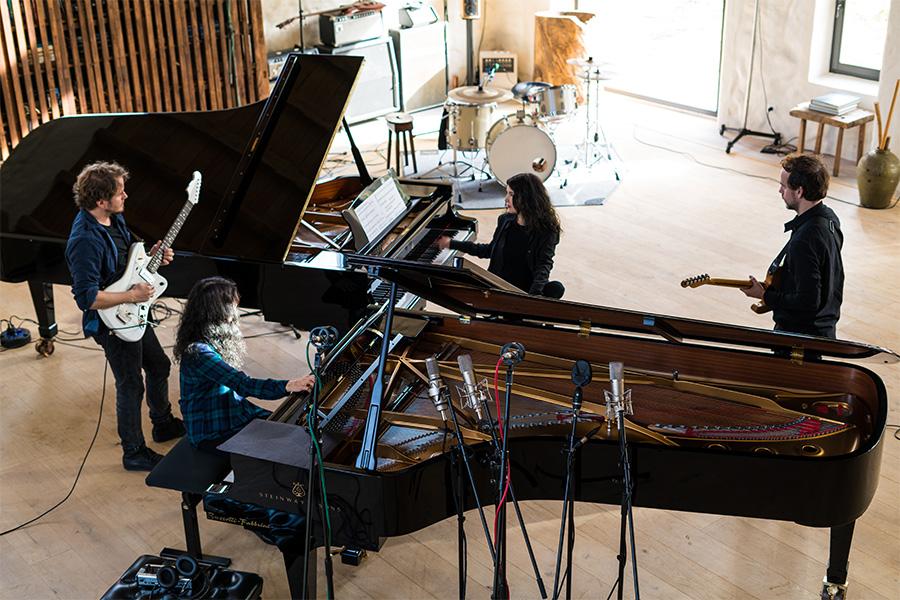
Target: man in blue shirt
pixel 210 348
pixel 97 252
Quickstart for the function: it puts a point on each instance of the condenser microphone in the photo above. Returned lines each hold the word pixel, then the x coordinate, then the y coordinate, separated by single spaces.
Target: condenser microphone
pixel 436 387
pixel 616 384
pixel 470 384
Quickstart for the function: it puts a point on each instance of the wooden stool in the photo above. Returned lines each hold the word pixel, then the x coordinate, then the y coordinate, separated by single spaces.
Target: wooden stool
pixel 857 118
pixel 401 124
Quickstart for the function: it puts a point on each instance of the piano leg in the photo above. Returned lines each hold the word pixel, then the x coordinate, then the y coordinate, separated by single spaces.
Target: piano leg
pixel 293 563
pixel 42 298
pixel 834 587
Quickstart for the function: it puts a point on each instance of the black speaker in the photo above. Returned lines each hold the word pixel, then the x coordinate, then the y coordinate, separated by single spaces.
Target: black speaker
pixel 471 9
pixel 377 90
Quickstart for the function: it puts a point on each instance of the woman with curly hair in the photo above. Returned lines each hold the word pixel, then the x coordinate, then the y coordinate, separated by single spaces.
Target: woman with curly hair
pixel 210 347
pixel 524 242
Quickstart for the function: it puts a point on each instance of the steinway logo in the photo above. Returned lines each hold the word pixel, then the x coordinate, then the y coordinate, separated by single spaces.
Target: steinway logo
pixel 297 490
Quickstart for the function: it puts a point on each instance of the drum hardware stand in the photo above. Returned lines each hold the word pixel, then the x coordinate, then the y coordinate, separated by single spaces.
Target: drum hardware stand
pixel 618 404
pixel 593 127
pixel 581 376
pixel 323 338
pixel 491 427
pixel 743 131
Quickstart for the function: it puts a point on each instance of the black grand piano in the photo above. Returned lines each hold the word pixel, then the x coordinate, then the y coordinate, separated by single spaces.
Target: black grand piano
pixel 266 218
pixel 727 420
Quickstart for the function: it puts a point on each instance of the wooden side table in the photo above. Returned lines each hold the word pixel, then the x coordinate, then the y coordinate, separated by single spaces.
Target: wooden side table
pixel 858 118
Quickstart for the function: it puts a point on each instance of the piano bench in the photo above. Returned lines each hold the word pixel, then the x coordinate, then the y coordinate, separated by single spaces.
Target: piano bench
pixel 190 471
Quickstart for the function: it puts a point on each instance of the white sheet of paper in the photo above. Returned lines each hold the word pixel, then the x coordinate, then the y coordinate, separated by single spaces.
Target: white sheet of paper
pixel 377 212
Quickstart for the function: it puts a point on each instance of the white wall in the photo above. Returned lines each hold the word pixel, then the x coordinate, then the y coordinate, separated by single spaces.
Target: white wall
pixel 796 36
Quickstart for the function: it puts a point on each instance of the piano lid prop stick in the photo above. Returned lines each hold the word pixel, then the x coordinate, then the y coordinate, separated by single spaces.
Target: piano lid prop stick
pixel 366 458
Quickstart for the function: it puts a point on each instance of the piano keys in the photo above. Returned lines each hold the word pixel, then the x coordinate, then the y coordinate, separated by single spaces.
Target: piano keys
pixel 727 420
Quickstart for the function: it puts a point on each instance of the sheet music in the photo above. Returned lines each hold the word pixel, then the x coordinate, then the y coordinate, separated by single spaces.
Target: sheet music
pixel 379 211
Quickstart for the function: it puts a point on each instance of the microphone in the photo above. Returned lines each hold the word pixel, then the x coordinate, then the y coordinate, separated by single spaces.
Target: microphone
pixel 584 440
pixel 581 376
pixel 436 388
pixel 618 399
pixel 323 337
pixel 472 395
pixel 513 353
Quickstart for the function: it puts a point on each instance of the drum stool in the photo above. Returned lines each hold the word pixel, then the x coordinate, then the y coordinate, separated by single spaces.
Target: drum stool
pixel 401 124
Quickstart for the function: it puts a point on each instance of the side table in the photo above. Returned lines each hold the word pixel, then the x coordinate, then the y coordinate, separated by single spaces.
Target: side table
pixel 857 118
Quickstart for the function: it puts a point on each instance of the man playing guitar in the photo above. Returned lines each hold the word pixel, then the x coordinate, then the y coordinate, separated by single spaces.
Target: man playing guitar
pixel 97 252
pixel 809 294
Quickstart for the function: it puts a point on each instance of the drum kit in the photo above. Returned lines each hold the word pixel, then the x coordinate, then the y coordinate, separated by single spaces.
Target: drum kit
pixel 522 142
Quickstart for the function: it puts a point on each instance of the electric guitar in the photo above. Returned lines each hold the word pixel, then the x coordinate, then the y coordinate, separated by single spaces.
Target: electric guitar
pixel 127 321
pixel 773 279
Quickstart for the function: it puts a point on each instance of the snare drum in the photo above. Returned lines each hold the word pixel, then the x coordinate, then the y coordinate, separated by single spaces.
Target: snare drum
pixel 469 125
pixel 519 144
pixel 556 101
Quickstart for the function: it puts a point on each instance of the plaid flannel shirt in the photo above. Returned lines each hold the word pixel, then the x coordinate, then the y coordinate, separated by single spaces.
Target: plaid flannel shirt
pixel 213 395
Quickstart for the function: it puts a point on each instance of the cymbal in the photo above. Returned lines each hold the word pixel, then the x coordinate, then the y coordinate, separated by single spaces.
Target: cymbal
pixel 596 75
pixel 472 95
pixel 588 62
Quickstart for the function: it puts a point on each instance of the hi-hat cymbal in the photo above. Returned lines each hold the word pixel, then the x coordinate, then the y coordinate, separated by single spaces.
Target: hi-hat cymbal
pixel 588 62
pixel 596 74
pixel 471 94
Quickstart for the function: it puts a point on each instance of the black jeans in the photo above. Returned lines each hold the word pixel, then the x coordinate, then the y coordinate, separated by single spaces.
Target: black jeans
pixel 126 361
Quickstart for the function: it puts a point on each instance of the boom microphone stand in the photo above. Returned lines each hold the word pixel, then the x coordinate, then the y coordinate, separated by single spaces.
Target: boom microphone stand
pixel 323 338
pixel 618 403
pixel 473 395
pixel 581 376
pixel 440 396
pixel 512 354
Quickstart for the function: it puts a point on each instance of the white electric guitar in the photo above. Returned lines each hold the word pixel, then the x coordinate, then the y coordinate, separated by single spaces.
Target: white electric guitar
pixel 127 321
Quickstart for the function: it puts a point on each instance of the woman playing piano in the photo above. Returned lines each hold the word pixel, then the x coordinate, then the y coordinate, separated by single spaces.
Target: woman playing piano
pixel 210 347
pixel 524 242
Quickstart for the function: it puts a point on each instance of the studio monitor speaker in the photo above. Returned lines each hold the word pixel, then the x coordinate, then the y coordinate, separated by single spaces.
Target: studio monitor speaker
pixel 471 9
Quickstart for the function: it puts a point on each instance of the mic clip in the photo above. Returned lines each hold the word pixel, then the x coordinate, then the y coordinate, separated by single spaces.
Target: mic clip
pixel 512 353
pixel 323 338
pixel 474 401
pixel 615 405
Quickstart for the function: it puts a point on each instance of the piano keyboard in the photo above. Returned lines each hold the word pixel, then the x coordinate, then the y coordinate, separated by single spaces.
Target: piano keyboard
pixel 425 251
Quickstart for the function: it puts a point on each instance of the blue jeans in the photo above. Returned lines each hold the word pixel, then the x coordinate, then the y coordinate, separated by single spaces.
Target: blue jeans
pixel 126 361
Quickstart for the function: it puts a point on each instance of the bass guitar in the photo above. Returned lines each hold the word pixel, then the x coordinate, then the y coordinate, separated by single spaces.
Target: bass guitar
pixel 772 279
pixel 128 320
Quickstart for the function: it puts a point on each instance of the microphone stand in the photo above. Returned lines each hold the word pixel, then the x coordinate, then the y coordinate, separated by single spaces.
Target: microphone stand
pixel 323 340
pixel 460 498
pixel 581 376
pixel 621 406
pixel 513 353
pixel 491 427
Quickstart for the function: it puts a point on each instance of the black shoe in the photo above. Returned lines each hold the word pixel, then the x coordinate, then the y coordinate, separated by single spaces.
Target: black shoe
pixel 168 430
pixel 143 459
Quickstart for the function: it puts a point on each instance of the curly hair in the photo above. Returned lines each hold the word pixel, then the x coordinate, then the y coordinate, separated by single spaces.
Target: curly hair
pixel 209 306
pixel 97 182
pixel 809 172
pixel 531 200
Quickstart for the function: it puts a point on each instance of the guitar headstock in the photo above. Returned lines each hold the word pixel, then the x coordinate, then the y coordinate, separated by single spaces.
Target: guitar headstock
pixel 695 281
pixel 193 188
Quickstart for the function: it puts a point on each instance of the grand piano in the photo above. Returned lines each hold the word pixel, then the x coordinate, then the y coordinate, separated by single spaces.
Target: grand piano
pixel 266 218
pixel 727 420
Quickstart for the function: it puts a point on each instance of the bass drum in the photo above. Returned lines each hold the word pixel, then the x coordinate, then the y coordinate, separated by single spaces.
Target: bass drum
pixel 519 144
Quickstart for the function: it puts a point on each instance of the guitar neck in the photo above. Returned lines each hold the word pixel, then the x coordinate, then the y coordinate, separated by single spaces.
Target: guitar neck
pixel 731 283
pixel 156 261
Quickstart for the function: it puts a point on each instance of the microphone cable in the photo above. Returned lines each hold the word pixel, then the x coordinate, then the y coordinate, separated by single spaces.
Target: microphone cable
pixel 508 471
pixel 80 468
pixel 312 435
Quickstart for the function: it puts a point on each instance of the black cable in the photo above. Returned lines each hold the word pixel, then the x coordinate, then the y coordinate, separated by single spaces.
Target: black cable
pixel 896 430
pixel 80 468
pixel 745 174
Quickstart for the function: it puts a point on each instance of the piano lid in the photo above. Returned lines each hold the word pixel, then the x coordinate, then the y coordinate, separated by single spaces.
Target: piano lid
pixel 469 290
pixel 259 162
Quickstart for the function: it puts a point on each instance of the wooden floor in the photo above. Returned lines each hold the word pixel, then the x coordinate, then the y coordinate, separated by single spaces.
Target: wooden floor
pixel 671 217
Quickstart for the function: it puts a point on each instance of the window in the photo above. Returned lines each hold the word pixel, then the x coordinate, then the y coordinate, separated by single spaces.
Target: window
pixel 860 30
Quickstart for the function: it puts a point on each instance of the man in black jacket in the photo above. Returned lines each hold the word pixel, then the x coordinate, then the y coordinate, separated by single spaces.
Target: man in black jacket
pixel 807 299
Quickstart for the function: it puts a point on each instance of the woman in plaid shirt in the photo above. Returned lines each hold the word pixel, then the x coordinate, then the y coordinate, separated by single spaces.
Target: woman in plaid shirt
pixel 211 350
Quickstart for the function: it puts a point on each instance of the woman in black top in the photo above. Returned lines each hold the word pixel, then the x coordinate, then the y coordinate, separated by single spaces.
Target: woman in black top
pixel 524 242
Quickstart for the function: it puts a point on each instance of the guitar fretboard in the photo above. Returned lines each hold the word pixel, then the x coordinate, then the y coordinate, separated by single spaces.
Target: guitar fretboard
pixel 156 261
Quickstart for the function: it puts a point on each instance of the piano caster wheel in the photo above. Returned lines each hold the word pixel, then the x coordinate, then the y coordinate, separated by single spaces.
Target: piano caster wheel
pixel 44 347
pixel 833 591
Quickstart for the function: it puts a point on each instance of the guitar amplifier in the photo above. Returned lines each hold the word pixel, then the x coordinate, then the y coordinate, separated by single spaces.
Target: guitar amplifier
pixel 338 29
pixel 505 66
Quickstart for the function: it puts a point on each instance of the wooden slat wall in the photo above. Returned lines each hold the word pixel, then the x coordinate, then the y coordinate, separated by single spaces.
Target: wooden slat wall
pixel 65 57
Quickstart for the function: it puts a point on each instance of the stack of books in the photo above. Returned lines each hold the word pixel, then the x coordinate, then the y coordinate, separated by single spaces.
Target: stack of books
pixel 834 103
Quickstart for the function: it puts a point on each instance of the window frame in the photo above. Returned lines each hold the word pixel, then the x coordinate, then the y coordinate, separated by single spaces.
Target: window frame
pixel 835 65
